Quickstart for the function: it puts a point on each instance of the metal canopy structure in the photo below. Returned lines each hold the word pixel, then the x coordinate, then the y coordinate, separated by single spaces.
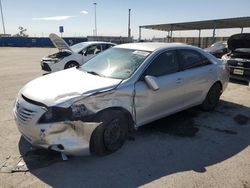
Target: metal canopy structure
pixel 228 23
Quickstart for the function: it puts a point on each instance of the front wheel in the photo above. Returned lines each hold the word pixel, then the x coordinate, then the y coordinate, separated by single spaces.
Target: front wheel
pixel 212 97
pixel 111 134
pixel 71 64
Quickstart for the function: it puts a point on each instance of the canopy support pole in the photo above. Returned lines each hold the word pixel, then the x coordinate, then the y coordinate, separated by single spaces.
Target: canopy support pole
pixel 139 33
pixel 242 30
pixel 199 38
pixel 214 35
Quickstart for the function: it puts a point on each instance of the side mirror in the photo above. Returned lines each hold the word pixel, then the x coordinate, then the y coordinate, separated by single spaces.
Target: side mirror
pixel 151 82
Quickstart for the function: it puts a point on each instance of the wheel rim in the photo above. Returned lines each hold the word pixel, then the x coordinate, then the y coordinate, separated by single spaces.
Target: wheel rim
pixel 71 65
pixel 112 135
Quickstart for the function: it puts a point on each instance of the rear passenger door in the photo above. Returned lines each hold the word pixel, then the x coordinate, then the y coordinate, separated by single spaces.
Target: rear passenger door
pixel 198 75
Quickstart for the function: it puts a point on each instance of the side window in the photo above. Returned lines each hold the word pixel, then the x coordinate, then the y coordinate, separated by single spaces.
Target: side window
pixel 163 64
pixel 106 46
pixel 94 49
pixel 190 59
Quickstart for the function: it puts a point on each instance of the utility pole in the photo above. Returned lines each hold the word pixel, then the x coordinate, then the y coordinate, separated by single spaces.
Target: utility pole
pixel 2 16
pixel 129 30
pixel 95 20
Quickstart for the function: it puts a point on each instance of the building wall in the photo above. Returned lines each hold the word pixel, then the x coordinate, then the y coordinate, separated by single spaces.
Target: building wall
pixel 36 41
pixel 45 41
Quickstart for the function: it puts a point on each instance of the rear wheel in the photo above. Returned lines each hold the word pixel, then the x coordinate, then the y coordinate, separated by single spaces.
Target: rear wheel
pixel 212 97
pixel 111 134
pixel 71 64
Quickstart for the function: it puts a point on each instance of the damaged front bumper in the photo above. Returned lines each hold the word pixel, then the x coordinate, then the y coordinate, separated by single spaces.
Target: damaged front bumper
pixel 45 66
pixel 69 137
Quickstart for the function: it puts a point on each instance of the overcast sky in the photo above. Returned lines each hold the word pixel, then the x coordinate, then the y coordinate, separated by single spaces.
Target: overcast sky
pixel 41 17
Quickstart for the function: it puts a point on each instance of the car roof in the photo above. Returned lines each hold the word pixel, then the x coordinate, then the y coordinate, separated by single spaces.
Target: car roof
pixel 150 46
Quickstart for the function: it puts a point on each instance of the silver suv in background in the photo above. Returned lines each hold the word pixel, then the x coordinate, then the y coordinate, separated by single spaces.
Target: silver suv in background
pixel 218 49
pixel 92 108
pixel 71 56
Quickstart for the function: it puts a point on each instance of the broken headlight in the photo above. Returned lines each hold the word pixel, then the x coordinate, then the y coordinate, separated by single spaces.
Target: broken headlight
pixel 79 111
pixel 55 114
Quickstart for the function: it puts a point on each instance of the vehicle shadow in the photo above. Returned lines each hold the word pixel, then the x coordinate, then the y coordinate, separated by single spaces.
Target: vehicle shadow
pixel 189 140
pixel 241 82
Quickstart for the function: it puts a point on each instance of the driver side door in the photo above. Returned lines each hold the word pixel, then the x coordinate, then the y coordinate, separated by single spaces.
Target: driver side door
pixel 91 51
pixel 154 104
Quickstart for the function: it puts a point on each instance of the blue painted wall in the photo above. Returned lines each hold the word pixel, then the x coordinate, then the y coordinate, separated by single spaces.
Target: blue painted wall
pixel 35 41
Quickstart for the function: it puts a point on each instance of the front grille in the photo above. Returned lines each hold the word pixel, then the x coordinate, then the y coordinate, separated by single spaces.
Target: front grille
pixel 45 67
pixel 232 62
pixel 26 110
pixel 23 114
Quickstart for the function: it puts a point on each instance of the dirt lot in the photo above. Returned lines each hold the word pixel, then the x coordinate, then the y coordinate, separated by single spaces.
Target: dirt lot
pixel 189 149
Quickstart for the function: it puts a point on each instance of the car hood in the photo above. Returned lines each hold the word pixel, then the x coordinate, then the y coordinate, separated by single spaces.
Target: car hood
pixel 239 41
pixel 61 86
pixel 59 42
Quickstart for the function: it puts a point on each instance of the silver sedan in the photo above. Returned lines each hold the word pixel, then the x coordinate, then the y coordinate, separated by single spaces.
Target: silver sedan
pixel 91 109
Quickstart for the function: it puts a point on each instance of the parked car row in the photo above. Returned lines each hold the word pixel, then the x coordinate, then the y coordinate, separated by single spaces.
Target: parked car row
pixel 236 53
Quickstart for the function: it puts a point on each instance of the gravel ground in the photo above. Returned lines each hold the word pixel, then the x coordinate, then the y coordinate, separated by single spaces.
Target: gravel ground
pixel 189 149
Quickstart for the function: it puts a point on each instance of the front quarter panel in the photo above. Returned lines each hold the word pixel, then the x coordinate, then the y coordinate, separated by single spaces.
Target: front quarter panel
pixel 121 97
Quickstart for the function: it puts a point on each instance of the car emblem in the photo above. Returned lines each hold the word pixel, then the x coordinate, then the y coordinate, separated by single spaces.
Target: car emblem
pixel 240 64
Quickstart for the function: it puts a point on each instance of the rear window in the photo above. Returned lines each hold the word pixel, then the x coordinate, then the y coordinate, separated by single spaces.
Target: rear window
pixel 191 59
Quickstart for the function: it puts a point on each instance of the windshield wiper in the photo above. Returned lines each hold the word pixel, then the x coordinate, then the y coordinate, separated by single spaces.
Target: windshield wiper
pixel 94 73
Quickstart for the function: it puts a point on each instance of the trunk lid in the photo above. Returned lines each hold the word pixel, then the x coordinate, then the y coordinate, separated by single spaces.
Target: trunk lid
pixel 239 41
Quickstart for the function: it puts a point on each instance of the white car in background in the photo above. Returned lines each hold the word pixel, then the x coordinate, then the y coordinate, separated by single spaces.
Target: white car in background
pixel 71 56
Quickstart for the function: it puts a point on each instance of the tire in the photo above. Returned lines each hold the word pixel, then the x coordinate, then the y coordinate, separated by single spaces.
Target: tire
pixel 111 134
pixel 212 98
pixel 71 64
